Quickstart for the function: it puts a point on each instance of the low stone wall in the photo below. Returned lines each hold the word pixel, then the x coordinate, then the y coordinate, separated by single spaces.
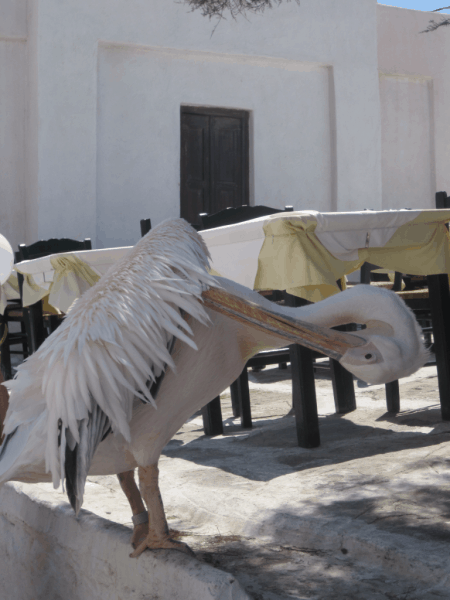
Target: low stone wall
pixel 47 553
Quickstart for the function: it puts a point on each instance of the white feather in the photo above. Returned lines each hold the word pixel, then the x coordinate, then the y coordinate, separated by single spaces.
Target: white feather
pixel 115 338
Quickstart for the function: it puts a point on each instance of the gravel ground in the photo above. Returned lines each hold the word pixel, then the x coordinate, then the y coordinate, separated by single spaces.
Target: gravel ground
pixel 365 516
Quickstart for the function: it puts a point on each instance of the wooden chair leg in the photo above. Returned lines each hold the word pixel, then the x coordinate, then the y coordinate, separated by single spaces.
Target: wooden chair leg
pixel 244 400
pixel 4 402
pixel 304 397
pixel 342 380
pixel 34 326
pixel 5 355
pixel 53 323
pixel 234 392
pixel 5 360
pixel 212 417
pixel 24 343
pixel 343 388
pixel 304 400
pixel 440 315
pixel 393 397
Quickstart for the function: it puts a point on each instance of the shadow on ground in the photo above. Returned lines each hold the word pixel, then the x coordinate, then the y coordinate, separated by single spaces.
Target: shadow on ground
pixel 342 440
pixel 286 571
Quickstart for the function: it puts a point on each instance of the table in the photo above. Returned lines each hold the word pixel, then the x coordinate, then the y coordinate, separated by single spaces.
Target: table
pixel 58 280
pixel 305 253
pixel 308 254
pixel 64 277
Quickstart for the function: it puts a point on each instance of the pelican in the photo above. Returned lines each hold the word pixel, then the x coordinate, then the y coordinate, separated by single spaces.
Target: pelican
pixel 151 343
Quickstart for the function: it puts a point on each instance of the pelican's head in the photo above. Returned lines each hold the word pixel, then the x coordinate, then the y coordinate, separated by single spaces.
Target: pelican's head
pixel 385 358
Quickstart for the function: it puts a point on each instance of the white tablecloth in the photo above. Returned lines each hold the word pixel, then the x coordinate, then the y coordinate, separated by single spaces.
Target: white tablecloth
pixel 314 249
pixel 235 249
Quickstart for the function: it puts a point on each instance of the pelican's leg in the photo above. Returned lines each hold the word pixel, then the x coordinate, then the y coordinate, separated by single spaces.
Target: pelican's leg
pixel 4 403
pixel 131 491
pixel 158 532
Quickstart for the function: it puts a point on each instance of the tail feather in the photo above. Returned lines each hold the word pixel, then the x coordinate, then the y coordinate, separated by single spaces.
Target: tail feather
pixel 5 443
pixel 78 459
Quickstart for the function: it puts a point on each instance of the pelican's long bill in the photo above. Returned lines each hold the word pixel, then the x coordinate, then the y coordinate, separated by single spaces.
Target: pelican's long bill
pixel 330 342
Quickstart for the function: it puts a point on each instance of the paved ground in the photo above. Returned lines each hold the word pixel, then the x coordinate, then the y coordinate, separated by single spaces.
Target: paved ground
pixel 365 516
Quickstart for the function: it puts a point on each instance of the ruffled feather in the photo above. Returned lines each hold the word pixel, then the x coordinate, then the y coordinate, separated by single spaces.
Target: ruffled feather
pixel 115 339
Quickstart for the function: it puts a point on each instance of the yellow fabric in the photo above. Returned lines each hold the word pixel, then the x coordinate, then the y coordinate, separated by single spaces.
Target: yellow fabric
pixel 420 247
pixel 71 278
pixel 67 265
pixel 70 273
pixel 46 307
pixel 31 291
pixel 13 283
pixel 9 291
pixel 3 302
pixel 292 257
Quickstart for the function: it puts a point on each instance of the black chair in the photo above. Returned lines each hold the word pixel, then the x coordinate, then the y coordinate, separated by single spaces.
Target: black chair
pixel 430 306
pixel 34 325
pixel 37 324
pixel 52 246
pixel 146 225
pixel 430 311
pixel 442 200
pixel 429 297
pixel 304 399
pixel 238 214
pixel 301 359
pixel 240 396
pixel 10 339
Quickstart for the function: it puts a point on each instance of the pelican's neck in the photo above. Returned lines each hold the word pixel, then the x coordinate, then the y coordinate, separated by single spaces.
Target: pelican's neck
pixel 361 304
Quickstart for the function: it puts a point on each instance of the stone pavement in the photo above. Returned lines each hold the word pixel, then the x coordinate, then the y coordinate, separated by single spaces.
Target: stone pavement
pixel 365 516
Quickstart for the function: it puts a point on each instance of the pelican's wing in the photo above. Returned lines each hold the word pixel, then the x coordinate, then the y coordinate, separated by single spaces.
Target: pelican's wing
pixel 114 340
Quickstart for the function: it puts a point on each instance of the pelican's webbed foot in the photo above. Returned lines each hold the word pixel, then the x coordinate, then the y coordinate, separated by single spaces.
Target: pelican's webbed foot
pixel 158 535
pixel 153 542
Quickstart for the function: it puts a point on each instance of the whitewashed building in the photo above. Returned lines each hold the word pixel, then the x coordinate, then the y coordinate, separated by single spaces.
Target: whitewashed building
pixel 117 110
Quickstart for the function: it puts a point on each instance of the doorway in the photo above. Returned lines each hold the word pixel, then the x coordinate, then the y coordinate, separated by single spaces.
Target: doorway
pixel 214 160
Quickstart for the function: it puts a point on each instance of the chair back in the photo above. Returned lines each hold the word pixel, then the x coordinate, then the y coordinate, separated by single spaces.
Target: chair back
pixel 146 225
pixel 47 247
pixel 231 216
pixel 52 246
pixel 33 318
pixel 442 200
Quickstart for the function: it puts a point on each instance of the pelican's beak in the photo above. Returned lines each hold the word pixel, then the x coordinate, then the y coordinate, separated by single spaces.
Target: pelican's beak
pixel 330 342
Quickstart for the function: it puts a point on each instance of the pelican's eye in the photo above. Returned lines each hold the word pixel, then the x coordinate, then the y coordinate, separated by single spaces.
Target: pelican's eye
pixel 368 356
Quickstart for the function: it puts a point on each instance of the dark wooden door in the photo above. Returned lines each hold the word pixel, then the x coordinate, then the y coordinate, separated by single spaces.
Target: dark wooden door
pixel 214 160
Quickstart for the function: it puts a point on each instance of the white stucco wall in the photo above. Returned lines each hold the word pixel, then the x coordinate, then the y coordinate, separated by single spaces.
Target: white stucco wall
pixel 101 77
pixel 13 113
pixel 138 131
pixel 347 102
pixel 415 111
pixel 407 141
